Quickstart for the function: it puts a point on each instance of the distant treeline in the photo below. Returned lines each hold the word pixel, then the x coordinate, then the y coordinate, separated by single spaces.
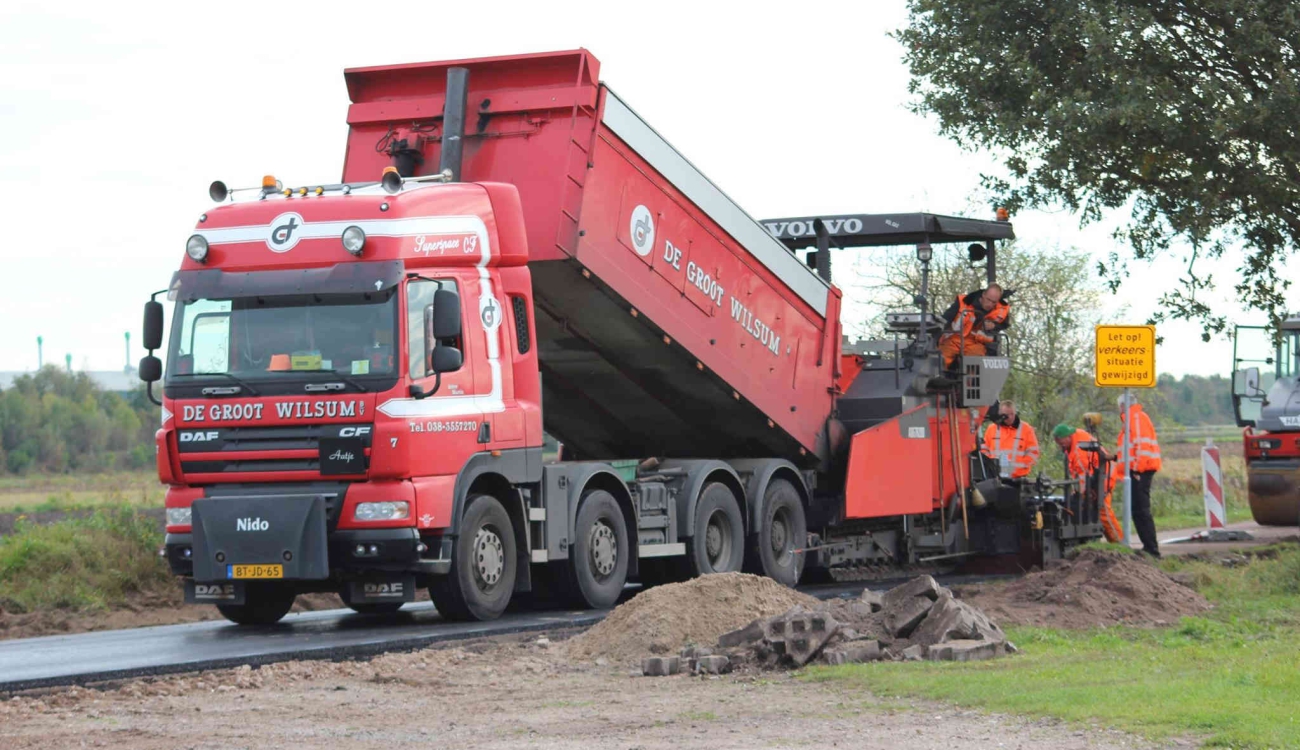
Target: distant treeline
pixel 1196 400
pixel 57 421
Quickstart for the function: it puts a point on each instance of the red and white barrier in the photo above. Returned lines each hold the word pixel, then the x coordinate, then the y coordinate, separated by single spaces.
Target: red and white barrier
pixel 1216 514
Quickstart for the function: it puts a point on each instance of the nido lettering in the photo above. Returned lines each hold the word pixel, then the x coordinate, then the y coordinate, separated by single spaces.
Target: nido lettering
pixel 251 524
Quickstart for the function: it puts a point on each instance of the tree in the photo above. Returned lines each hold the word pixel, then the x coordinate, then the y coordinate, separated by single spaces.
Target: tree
pixel 1185 112
pixel 1055 304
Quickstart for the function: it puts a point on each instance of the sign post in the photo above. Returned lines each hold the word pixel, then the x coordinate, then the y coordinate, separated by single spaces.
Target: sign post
pixel 1126 358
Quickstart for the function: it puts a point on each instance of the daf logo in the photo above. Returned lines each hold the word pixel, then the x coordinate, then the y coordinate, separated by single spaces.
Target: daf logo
pixel 383 589
pixel 199 437
pixel 214 590
pixel 354 432
pixel 251 524
pixel 284 232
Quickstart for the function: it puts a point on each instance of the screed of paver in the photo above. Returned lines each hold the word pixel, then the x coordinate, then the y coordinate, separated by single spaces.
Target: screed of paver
pixel 506 693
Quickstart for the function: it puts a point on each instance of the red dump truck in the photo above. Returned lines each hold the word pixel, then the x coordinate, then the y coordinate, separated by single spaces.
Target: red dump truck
pixel 360 375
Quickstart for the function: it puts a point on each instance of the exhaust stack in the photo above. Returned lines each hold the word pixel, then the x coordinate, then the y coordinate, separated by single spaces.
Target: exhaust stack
pixel 453 122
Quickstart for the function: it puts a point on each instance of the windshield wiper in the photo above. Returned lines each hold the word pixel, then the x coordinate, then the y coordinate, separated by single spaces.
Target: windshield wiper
pixel 251 390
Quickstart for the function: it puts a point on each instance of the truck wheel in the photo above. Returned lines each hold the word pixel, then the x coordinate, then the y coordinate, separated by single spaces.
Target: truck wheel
pixel 598 566
pixel 719 542
pixel 264 606
pixel 482 575
pixel 781 529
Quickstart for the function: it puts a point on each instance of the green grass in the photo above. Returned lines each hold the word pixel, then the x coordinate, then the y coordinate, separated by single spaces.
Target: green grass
pixel 91 562
pixel 1231 678
pixel 41 492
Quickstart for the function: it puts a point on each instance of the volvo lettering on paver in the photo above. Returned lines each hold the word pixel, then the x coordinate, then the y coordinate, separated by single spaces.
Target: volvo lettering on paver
pixel 756 328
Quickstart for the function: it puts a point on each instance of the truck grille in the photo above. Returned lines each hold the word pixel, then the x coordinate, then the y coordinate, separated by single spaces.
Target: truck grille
pixel 297 448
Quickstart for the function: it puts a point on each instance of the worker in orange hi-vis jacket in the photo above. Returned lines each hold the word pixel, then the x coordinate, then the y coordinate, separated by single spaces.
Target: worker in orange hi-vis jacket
pixel 1143 463
pixel 1081 464
pixel 973 320
pixel 1012 441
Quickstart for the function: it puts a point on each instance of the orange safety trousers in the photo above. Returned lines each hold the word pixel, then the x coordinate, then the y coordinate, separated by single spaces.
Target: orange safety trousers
pixel 951 345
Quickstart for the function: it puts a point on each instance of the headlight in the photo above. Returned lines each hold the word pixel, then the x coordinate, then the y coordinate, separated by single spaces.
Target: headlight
pixel 390 511
pixel 178 516
pixel 354 239
pixel 197 248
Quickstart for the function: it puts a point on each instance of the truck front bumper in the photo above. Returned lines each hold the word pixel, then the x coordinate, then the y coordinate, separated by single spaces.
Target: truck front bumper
pixel 350 551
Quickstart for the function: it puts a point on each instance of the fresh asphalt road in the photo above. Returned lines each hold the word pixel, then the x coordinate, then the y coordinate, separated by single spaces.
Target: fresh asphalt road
pixel 30 663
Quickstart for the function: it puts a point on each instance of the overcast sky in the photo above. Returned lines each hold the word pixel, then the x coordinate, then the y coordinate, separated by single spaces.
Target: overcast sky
pixel 116 116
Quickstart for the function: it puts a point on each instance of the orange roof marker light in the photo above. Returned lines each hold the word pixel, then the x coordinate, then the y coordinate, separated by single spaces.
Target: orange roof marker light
pixel 270 183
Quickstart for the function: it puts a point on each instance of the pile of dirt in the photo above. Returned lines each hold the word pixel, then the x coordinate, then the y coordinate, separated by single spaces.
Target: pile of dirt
pixel 666 618
pixel 1091 589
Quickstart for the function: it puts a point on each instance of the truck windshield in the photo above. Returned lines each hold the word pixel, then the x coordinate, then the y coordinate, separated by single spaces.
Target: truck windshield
pixel 272 337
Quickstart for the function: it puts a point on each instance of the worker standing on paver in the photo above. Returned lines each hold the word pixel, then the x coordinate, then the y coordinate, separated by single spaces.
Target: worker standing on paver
pixel 1143 463
pixel 1012 441
pixel 973 322
pixel 1080 464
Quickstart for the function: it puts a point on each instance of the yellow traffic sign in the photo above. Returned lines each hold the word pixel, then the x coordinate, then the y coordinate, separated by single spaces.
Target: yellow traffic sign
pixel 1126 356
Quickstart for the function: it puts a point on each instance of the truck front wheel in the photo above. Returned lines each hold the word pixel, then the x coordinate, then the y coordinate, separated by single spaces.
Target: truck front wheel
pixel 265 605
pixel 781 530
pixel 482 575
pixel 598 567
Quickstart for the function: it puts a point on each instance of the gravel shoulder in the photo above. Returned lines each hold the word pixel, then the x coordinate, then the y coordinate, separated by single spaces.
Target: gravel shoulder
pixel 506 692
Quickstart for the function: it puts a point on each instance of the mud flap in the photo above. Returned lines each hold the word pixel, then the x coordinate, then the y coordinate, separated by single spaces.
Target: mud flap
pixel 230 592
pixel 398 589
pixel 260 530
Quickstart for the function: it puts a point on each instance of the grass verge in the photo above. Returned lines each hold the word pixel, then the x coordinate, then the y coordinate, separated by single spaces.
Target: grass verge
pixel 1231 677
pixel 89 562
pixel 36 493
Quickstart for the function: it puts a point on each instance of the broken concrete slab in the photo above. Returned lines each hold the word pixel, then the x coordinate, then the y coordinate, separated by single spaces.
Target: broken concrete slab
pixel 696 652
pixel 661 666
pixel 951 619
pixel 921 586
pixel 963 650
pixel 854 652
pixel 913 653
pixel 748 635
pixel 711 665
pixel 871 599
pixel 903 617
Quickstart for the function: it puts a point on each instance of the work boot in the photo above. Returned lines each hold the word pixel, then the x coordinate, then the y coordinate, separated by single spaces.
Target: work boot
pixel 941 383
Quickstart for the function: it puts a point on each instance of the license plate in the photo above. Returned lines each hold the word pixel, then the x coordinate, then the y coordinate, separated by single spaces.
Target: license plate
pixel 256 571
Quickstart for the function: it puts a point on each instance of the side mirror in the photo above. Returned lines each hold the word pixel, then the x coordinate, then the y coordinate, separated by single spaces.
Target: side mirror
pixel 153 325
pixel 446 314
pixel 446 359
pixel 976 252
pixel 1245 383
pixel 150 369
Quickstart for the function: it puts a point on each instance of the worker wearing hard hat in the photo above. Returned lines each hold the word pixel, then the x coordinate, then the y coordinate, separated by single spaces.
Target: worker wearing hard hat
pixel 1080 464
pixel 1011 440
pixel 973 322
pixel 1143 463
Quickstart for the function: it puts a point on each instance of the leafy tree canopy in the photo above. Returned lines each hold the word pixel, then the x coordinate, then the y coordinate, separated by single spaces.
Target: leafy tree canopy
pixel 1183 112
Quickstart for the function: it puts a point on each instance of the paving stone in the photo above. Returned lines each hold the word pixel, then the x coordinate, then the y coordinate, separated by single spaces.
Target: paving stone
pixel 963 650
pixel 855 652
pixel 872 599
pixel 712 665
pixel 695 652
pixel 661 666
pixel 913 653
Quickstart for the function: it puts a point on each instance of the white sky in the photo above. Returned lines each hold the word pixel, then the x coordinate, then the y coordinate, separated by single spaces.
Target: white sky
pixel 114 119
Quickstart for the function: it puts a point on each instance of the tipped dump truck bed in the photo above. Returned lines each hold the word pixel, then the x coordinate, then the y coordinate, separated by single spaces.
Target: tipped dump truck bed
pixel 669 322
